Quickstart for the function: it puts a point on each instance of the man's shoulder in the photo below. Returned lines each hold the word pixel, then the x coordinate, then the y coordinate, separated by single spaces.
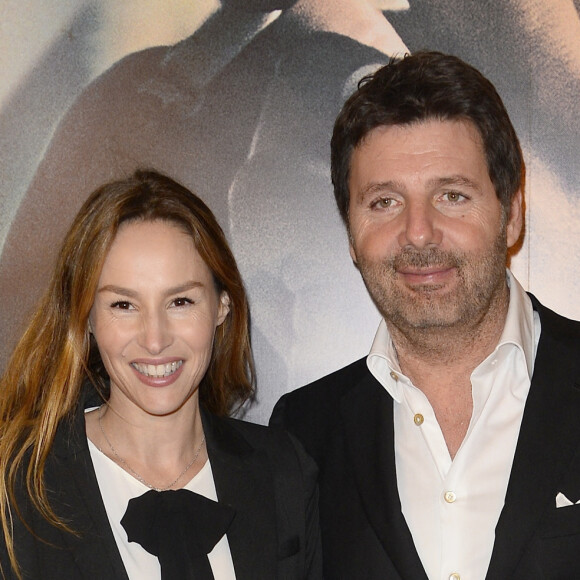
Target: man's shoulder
pixel 330 388
pixel 558 348
pixel 313 413
pixel 555 325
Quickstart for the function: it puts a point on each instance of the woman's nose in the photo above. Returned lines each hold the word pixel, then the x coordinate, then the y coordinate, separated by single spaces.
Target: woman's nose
pixel 155 334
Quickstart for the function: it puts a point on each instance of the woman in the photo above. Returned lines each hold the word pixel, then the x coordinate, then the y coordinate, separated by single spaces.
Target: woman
pixel 116 459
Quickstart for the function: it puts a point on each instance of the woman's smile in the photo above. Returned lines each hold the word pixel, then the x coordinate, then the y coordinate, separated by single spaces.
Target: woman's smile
pixel 157 371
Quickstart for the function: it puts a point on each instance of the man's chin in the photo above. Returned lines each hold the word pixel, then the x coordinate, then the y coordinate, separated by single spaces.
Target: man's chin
pixel 429 291
pixel 425 310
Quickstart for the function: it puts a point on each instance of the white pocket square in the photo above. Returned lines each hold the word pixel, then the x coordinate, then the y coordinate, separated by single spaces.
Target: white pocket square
pixel 563 501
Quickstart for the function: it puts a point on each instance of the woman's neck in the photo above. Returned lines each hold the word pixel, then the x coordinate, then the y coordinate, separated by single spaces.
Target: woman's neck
pixel 155 449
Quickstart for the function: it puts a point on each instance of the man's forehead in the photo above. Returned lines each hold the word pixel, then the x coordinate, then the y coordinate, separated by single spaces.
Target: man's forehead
pixel 401 128
pixel 435 155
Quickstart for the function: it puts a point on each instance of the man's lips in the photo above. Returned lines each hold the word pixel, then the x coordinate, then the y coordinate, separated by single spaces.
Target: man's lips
pixel 432 275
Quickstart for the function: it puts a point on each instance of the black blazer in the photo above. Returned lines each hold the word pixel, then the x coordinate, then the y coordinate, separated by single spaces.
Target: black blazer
pixel 262 473
pixel 345 422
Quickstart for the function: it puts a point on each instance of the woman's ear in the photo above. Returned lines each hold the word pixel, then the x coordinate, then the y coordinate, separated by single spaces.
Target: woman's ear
pixel 223 307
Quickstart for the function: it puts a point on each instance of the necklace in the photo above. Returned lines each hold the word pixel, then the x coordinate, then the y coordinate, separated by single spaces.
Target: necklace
pixel 128 468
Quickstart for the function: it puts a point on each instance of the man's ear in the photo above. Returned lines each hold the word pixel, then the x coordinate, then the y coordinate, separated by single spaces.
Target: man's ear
pixel 223 307
pixel 351 247
pixel 515 221
pixel 352 252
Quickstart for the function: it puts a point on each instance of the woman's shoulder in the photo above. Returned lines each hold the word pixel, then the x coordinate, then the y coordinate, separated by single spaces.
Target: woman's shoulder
pixel 281 446
pixel 254 433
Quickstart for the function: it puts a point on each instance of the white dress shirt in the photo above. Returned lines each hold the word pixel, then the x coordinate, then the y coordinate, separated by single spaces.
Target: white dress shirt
pixel 118 487
pixel 452 506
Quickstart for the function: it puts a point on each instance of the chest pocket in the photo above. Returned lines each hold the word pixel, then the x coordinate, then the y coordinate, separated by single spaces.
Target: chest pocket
pixel 558 543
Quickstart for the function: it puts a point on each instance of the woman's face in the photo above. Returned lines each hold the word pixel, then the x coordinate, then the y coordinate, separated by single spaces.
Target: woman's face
pixel 155 313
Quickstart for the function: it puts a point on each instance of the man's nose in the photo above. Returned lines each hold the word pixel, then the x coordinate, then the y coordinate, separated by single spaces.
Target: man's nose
pixel 420 225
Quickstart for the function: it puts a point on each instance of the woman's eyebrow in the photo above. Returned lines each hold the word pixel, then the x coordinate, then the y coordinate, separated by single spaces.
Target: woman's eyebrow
pixel 189 285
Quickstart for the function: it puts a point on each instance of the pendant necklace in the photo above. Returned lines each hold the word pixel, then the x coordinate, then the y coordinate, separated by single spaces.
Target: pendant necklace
pixel 138 477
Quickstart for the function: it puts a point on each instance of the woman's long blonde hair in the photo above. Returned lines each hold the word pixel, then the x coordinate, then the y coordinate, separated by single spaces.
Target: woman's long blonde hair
pixel 42 383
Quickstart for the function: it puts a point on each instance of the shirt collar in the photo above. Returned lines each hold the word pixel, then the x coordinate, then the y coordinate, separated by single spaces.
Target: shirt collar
pixel 519 330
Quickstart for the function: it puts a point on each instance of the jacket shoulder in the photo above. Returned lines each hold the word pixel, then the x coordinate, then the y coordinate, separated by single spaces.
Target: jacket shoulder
pixel 556 324
pixel 284 470
pixel 241 437
pixel 323 395
pixel 312 412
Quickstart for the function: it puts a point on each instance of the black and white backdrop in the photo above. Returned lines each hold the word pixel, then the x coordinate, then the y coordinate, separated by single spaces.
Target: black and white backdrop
pixel 236 100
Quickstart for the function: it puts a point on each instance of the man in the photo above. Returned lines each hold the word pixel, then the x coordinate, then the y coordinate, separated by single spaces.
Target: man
pixel 453 450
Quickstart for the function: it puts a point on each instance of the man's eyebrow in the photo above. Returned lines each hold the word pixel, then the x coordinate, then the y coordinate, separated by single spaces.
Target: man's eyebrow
pixel 460 180
pixel 189 285
pixel 375 187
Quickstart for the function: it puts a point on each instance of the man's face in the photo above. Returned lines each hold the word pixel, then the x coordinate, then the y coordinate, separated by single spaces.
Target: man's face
pixel 427 230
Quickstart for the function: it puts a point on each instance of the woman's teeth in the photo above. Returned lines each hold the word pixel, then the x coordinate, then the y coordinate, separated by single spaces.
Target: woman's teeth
pixel 157 371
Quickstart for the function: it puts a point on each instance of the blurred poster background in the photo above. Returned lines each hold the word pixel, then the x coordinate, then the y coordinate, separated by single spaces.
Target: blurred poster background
pixel 236 99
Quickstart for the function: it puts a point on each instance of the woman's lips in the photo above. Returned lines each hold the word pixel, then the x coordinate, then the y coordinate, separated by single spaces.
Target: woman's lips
pixel 157 371
pixel 158 375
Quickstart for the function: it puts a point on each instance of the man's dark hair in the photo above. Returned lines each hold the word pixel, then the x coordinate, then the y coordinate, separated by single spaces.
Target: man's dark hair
pixel 420 87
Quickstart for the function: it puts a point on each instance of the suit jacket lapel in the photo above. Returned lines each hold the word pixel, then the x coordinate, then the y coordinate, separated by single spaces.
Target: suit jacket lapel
pixel 548 438
pixel 367 412
pixel 71 474
pixel 243 481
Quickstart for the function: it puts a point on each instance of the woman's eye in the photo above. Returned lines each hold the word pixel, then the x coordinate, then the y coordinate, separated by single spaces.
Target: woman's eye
pixel 182 302
pixel 122 305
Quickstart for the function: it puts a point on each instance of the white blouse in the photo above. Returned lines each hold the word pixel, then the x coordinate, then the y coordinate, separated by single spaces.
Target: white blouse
pixel 118 487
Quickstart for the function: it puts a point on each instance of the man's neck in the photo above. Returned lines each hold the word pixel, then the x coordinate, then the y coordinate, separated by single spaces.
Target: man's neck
pixel 463 345
pixel 439 361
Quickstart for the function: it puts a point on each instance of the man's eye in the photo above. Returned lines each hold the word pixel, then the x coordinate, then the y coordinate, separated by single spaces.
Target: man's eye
pixel 454 196
pixel 382 203
pixel 122 305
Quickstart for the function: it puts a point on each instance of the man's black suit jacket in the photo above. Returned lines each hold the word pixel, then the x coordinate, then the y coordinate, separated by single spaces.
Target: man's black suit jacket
pixel 345 422
pixel 263 474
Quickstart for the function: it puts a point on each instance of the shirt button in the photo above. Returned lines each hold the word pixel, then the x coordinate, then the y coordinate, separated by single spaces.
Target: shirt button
pixel 450 497
pixel 418 419
pixel 454 576
pixel 394 376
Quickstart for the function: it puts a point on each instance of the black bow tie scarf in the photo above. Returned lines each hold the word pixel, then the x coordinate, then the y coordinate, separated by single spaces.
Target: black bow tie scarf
pixel 179 527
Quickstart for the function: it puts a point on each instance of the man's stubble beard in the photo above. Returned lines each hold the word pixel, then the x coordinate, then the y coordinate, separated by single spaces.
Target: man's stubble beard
pixel 481 280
